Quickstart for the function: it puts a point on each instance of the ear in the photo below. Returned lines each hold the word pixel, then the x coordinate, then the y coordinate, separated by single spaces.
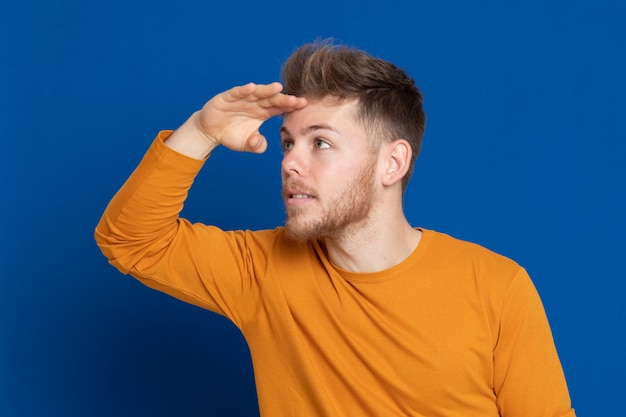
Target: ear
pixel 397 158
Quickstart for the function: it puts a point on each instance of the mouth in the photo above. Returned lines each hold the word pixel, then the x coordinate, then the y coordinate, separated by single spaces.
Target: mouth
pixel 297 196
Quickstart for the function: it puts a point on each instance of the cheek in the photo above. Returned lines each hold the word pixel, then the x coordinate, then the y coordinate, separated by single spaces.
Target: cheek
pixel 338 178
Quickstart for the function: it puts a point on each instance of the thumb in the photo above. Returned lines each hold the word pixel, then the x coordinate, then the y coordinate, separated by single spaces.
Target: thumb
pixel 256 143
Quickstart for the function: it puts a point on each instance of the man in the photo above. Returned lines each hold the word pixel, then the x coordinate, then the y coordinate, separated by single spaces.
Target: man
pixel 348 310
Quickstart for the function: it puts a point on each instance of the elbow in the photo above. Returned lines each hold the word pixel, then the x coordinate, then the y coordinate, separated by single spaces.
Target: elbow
pixel 111 247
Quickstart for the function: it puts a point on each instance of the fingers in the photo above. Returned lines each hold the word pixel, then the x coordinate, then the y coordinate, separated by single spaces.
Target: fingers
pixel 256 143
pixel 283 102
pixel 252 91
pixel 266 96
pixel 267 90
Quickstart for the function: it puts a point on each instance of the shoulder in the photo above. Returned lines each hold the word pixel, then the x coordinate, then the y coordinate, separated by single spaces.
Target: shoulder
pixel 468 263
pixel 442 246
pixel 275 242
pixel 475 270
pixel 285 256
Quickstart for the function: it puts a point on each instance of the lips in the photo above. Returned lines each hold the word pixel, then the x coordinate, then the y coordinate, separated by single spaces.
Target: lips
pixel 297 193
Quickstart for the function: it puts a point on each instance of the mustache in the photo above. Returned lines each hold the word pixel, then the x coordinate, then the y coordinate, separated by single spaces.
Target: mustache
pixel 295 185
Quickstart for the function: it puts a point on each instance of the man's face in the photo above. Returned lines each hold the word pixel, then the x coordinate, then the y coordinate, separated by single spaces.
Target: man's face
pixel 328 172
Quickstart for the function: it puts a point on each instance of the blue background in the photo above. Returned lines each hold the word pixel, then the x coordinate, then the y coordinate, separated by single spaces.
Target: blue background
pixel 524 153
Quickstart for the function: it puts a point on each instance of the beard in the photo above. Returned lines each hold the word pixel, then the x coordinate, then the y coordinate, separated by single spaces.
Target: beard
pixel 349 208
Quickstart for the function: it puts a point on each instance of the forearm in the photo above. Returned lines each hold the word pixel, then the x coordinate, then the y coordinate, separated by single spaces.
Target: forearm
pixel 144 212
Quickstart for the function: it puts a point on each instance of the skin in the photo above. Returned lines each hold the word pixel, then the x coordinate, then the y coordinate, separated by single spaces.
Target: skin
pixel 321 145
pixel 334 187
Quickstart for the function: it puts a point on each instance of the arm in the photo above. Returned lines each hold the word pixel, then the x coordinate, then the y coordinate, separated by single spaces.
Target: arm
pixel 528 377
pixel 141 232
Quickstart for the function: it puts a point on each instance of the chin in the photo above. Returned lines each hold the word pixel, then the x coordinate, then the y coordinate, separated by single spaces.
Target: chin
pixel 301 232
pixel 297 233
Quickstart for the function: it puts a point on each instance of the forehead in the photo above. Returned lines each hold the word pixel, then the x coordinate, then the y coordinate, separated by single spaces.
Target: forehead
pixel 324 112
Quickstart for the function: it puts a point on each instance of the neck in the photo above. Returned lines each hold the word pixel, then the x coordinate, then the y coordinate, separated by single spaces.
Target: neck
pixel 371 249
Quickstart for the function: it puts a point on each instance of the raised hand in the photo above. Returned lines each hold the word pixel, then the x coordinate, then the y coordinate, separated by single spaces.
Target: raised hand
pixel 233 119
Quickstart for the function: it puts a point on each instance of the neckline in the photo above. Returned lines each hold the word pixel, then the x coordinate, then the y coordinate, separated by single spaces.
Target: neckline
pixel 386 274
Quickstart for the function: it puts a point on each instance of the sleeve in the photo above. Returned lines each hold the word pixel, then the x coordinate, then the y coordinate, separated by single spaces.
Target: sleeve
pixel 528 377
pixel 142 234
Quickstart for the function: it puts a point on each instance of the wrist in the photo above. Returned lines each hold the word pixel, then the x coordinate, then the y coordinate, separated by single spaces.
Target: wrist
pixel 189 140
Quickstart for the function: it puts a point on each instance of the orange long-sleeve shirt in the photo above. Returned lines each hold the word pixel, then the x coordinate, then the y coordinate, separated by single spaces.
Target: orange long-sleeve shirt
pixel 453 330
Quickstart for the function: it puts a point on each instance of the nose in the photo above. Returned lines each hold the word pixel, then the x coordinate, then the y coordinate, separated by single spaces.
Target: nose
pixel 294 161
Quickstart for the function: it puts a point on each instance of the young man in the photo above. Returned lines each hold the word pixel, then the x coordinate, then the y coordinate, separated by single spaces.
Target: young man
pixel 348 310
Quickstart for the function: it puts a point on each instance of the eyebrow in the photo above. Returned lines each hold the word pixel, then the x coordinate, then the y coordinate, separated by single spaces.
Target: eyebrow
pixel 311 128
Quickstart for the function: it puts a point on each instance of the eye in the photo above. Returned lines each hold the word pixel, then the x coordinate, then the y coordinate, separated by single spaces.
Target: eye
pixel 286 145
pixel 321 144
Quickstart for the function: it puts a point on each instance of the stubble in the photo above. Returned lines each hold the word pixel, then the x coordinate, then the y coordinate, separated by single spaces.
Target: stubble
pixel 343 212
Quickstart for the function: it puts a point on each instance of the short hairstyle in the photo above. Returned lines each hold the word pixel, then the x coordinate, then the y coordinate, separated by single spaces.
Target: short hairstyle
pixel 389 102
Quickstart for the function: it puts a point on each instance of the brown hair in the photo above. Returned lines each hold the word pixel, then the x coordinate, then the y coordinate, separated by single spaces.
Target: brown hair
pixel 389 102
